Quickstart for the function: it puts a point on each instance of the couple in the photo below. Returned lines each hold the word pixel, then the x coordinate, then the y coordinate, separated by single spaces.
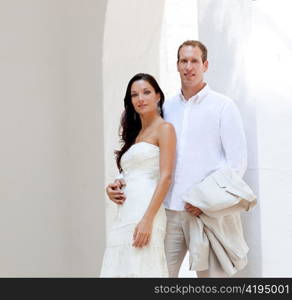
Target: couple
pixel 168 147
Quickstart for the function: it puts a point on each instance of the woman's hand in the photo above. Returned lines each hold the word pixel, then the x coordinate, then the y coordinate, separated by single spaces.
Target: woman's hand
pixel 142 233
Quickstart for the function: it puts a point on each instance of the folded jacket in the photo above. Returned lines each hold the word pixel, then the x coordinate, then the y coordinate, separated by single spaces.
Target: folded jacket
pixel 221 196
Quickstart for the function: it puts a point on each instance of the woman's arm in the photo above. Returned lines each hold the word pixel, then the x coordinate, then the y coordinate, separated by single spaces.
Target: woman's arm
pixel 167 145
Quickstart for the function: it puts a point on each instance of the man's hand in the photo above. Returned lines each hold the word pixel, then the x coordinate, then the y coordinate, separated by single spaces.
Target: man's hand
pixel 115 193
pixel 193 210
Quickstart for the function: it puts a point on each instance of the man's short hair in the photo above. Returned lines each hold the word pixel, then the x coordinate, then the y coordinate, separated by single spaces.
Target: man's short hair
pixel 194 43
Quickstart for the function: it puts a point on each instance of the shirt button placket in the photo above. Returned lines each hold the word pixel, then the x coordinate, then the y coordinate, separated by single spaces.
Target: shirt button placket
pixel 183 138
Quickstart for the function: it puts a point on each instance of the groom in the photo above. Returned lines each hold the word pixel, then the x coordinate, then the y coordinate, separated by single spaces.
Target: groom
pixel 210 135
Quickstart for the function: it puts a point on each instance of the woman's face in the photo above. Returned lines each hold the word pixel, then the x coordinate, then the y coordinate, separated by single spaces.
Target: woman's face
pixel 144 98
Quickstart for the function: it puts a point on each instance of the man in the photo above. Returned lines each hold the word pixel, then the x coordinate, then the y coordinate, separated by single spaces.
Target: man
pixel 210 135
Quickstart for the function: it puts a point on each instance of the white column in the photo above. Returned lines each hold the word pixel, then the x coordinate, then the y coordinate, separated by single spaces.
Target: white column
pixel 84 143
pixel 51 154
pixel 131 45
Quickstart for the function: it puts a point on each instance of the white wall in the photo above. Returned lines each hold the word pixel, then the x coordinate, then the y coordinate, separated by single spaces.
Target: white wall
pixel 51 158
pixel 250 58
pixel 180 23
pixel 270 62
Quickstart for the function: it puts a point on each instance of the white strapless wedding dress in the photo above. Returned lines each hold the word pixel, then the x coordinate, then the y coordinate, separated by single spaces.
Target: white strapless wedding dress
pixel 141 172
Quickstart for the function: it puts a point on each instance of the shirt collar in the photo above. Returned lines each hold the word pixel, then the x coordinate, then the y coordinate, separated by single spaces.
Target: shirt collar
pixel 197 98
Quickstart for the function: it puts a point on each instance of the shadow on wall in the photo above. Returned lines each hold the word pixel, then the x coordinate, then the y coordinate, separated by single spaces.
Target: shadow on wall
pixel 225 28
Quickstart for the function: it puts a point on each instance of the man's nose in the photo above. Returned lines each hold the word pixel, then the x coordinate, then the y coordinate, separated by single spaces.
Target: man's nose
pixel 189 65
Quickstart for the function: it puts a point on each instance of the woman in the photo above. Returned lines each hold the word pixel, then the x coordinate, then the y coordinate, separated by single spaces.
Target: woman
pixel 135 243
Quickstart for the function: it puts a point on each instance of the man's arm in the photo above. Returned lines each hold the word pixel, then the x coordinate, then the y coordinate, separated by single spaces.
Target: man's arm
pixel 115 192
pixel 233 138
pixel 233 142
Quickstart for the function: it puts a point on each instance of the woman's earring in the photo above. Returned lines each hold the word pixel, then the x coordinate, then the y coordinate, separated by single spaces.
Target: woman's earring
pixel 158 108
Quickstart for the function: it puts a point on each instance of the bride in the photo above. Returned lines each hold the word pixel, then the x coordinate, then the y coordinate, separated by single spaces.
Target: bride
pixel 135 242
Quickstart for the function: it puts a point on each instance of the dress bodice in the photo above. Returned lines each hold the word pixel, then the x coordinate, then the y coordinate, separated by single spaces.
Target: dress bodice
pixel 141 161
pixel 141 173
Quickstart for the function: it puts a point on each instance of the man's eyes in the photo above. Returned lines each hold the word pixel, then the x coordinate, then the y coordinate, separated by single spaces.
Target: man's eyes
pixel 185 61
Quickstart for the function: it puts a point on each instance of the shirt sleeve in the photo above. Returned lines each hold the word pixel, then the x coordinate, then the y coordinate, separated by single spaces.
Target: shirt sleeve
pixel 233 138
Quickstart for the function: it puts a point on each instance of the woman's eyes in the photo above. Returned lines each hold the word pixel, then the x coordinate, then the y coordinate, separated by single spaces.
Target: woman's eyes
pixel 145 93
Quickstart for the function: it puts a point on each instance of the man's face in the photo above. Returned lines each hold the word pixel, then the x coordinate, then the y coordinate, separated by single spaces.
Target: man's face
pixel 190 65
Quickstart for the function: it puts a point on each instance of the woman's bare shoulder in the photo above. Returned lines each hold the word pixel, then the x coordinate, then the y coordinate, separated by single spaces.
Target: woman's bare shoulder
pixel 166 131
pixel 165 126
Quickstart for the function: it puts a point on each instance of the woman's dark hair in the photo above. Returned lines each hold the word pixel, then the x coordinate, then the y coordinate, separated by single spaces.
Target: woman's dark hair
pixel 130 121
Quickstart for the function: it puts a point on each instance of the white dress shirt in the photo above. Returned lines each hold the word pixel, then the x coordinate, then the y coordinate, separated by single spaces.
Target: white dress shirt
pixel 210 135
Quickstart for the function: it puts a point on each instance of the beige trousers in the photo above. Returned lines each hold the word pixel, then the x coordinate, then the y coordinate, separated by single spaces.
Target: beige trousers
pixel 179 238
